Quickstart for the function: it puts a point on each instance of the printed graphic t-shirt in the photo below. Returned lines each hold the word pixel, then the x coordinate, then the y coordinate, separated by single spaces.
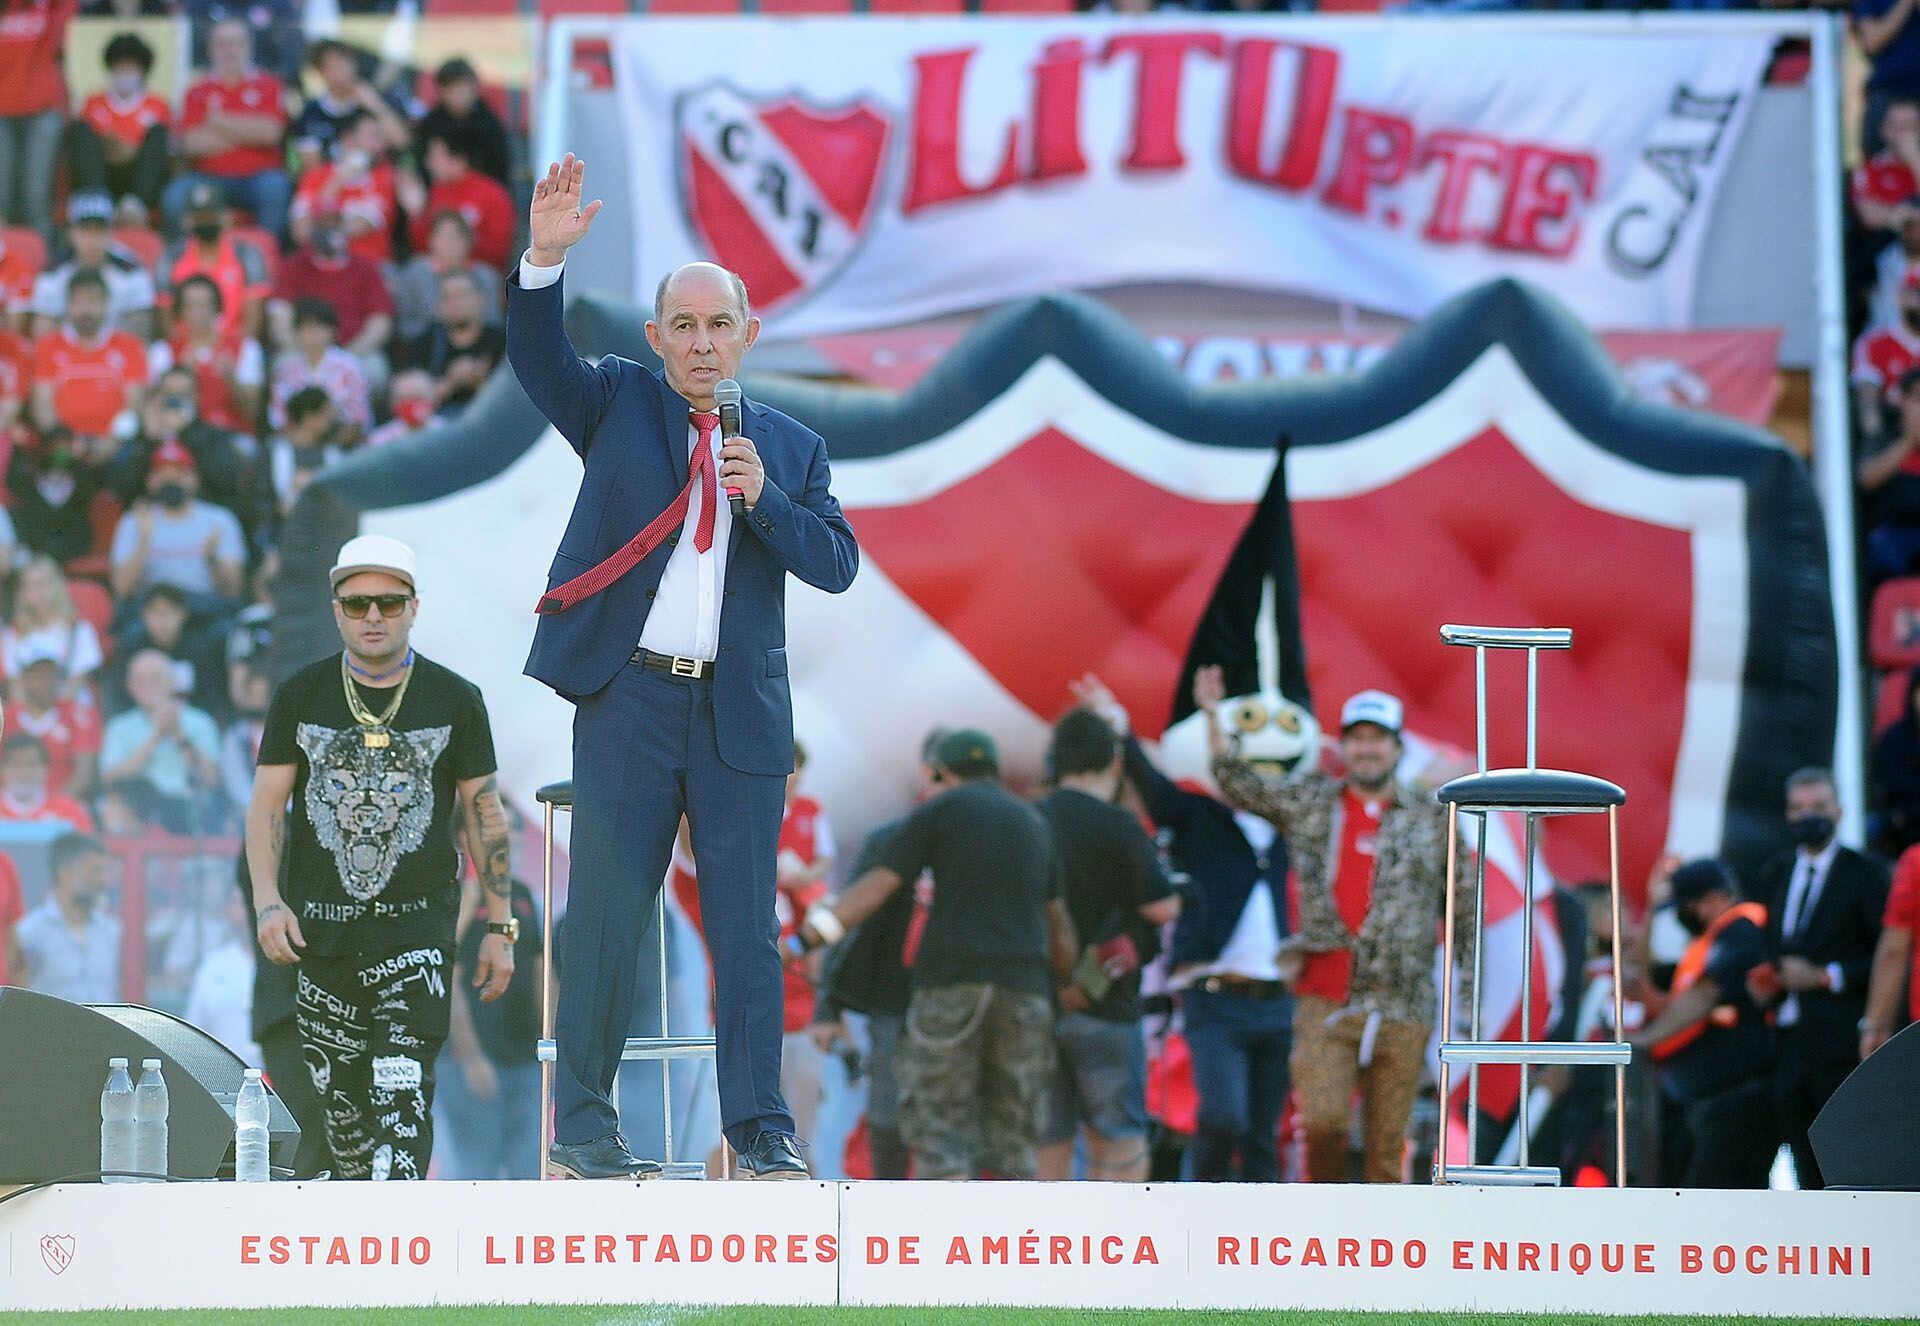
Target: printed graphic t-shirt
pixel 370 860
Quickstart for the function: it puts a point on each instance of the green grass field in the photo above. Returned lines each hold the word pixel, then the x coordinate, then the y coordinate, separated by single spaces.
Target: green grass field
pixel 672 1316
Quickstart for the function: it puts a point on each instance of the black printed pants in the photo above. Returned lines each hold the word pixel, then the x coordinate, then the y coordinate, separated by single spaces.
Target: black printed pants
pixel 370 1029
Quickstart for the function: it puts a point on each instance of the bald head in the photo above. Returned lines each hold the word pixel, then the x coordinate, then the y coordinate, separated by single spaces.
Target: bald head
pixel 701 273
pixel 701 328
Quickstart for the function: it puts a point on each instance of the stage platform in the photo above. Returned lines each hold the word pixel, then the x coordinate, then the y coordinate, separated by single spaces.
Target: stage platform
pixel 208 1245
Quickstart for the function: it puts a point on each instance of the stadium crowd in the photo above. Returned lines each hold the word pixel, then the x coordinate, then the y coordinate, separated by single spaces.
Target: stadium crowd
pixel 303 256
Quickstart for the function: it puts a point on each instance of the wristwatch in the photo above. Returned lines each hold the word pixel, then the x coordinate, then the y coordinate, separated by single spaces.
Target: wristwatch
pixel 509 927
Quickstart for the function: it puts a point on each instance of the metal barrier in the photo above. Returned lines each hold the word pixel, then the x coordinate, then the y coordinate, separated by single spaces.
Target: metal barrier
pixel 1533 793
pixel 555 797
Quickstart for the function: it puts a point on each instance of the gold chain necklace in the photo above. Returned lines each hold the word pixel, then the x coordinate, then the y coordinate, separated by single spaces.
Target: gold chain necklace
pixel 375 736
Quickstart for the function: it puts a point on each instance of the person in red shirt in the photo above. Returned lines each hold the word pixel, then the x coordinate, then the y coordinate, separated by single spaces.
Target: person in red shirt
pixel 231 126
pixel 1881 357
pixel 458 187
pixel 119 145
pixel 33 107
pixel 327 269
pixel 1896 960
pixel 806 855
pixel 356 186
pixel 234 265
pixel 16 377
pixel 84 376
pixel 230 370
pixel 17 276
pixel 27 795
pixel 67 727
pixel 1886 186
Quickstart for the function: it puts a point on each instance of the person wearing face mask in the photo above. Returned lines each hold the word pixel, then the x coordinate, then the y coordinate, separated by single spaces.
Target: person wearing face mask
pixel 235 265
pixel 86 376
pixel 1889 482
pixel 1824 905
pixel 411 399
pixel 355 185
pixel 326 121
pixel 175 538
pixel 227 461
pixel 27 793
pixel 118 145
pixel 1711 1042
pixel 69 945
pixel 1369 860
pixel 52 488
pixel 1882 356
pixel 92 248
pixel 328 268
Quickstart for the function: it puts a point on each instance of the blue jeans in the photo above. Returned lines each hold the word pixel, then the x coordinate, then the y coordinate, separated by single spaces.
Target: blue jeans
pixel 1240 1049
pixel 268 195
pixel 489 1139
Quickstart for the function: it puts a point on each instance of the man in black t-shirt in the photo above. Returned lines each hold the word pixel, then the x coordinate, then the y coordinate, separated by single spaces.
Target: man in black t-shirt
pixel 978 1052
pixel 351 845
pixel 1118 898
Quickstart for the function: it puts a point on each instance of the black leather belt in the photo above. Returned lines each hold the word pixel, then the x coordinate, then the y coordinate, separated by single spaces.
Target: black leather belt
pixel 694 668
pixel 1241 987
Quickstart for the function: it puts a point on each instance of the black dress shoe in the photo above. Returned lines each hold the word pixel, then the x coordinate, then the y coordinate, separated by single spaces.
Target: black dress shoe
pixel 602 1158
pixel 772 1155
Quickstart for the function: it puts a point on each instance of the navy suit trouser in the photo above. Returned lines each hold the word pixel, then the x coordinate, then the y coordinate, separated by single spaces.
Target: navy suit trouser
pixel 644 753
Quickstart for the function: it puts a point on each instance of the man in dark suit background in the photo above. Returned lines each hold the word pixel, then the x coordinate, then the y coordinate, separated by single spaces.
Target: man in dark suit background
pixel 1824 904
pixel 678 670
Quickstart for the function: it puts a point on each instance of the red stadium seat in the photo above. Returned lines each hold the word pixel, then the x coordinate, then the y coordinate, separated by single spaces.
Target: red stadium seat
pixel 1893 626
pixel 693 6
pixel 805 6
pixel 27 243
pixel 94 605
pixel 143 243
pixel 1027 6
pixel 915 6
pixel 1889 701
pixel 557 8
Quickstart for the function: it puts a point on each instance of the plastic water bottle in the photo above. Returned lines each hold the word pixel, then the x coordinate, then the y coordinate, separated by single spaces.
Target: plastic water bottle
pixel 150 1121
pixel 116 1122
pixel 250 1130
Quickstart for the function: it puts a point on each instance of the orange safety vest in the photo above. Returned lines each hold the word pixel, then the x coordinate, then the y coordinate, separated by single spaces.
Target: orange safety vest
pixel 1693 964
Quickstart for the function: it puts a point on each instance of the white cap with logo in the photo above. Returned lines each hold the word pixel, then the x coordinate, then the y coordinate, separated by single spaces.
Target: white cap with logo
pixel 1376 707
pixel 373 552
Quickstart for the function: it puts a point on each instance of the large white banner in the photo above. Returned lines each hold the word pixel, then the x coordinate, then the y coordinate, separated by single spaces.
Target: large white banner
pixel 1381 1248
pixel 868 172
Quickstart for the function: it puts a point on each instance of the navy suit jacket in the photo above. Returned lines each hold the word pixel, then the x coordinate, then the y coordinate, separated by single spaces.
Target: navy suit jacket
pixel 630 429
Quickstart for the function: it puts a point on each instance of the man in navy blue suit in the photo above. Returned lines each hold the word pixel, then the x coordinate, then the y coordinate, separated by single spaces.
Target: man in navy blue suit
pixel 677 670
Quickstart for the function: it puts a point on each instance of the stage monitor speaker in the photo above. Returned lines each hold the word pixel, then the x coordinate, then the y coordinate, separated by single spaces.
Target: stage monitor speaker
pixel 53 1063
pixel 1865 1139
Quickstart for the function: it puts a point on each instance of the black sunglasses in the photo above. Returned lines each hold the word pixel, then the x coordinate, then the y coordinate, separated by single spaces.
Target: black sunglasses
pixel 356 605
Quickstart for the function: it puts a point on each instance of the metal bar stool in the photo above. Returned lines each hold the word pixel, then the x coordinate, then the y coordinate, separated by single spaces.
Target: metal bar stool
pixel 1533 793
pixel 556 797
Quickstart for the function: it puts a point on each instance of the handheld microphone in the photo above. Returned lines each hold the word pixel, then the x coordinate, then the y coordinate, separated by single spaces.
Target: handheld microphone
pixel 726 395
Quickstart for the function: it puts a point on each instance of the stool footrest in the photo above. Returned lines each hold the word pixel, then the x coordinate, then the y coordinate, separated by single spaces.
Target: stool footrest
pixel 645 1047
pixel 1536 1052
pixel 1503 1176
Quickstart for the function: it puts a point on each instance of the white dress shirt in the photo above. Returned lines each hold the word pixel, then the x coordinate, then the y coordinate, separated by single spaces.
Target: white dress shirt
pixel 685 617
pixel 1810 870
pixel 1253 949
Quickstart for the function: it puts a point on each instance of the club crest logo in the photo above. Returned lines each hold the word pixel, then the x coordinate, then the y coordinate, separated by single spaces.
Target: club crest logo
pixel 56 1250
pixel 777 189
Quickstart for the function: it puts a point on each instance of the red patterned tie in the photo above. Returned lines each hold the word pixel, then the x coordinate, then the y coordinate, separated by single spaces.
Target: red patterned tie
pixel 709 479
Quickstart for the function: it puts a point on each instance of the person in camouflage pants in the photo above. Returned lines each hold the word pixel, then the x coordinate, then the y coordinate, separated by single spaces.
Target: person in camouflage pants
pixel 975 1065
pixel 977 1053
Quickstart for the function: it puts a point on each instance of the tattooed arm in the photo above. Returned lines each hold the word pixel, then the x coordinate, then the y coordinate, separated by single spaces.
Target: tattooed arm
pixel 277 928
pixel 490 841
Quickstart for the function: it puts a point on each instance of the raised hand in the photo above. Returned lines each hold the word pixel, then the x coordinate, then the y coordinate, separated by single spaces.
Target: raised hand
pixel 557 221
pixel 1209 687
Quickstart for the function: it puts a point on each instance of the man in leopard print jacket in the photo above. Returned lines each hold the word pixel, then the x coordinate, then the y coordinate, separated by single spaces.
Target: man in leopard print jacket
pixel 1369 862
